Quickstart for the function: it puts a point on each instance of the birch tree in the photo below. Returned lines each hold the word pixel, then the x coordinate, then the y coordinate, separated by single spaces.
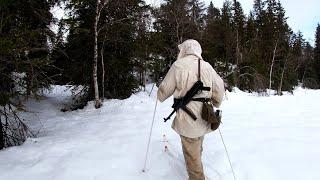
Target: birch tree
pixel 100 4
pixel 272 63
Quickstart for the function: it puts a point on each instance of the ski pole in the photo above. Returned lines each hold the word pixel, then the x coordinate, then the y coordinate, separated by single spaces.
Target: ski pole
pixel 225 148
pixel 146 157
pixel 151 89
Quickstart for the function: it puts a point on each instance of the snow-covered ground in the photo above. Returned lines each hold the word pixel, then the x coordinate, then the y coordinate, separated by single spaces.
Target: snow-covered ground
pixel 268 138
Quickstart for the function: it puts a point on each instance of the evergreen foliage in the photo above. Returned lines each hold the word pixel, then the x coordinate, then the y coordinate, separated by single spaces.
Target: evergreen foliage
pixel 137 43
pixel 121 27
pixel 253 52
pixel 25 40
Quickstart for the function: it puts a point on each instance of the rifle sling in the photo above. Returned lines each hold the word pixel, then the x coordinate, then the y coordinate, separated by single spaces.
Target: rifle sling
pixel 189 112
pixel 184 107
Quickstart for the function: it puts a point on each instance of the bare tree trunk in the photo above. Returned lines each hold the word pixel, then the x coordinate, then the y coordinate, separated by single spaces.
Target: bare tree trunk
pixel 179 38
pixel 102 58
pixel 1 136
pixel 237 63
pixel 141 78
pixel 30 78
pixel 99 7
pixel 95 58
pixel 144 79
pixel 272 63
pixel 145 68
pixel 281 80
pixel 103 70
pixel 304 73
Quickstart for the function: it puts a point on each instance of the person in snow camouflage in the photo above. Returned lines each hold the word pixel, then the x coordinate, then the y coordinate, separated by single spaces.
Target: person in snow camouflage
pixel 180 78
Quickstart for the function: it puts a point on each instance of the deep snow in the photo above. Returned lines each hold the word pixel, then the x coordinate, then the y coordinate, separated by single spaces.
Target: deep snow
pixel 268 138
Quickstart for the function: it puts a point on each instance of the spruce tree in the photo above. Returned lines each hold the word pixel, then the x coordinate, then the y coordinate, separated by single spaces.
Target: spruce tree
pixel 176 21
pixel 308 70
pixel 25 59
pixel 143 48
pixel 213 41
pixel 196 13
pixel 117 31
pixel 123 18
pixel 238 19
pixel 294 63
pixel 226 27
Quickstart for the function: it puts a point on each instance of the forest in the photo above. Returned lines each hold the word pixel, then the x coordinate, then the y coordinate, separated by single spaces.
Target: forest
pixel 110 49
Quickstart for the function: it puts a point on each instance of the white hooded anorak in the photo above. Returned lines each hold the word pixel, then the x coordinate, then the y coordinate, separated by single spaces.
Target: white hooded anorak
pixel 180 78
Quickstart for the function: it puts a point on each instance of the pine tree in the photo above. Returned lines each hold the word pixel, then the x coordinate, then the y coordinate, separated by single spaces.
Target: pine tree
pixel 282 35
pixel 123 18
pixel 25 58
pixel 117 32
pixel 269 44
pixel 214 44
pixel 292 62
pixel 238 19
pixel 176 21
pixel 226 26
pixel 258 11
pixel 143 48
pixel 213 41
pixel 308 70
pixel 196 13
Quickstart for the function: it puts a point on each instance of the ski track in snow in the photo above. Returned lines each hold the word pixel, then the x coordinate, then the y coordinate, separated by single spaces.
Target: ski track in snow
pixel 268 138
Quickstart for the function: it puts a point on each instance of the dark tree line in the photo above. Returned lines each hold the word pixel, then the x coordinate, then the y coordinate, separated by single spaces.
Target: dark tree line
pixel 25 39
pixel 113 48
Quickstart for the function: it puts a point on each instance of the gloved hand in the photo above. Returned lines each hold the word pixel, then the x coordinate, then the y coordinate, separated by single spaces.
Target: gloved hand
pixel 227 87
pixel 159 81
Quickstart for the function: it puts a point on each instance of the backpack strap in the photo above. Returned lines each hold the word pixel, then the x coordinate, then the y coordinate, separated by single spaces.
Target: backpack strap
pixel 201 99
pixel 182 102
pixel 199 75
